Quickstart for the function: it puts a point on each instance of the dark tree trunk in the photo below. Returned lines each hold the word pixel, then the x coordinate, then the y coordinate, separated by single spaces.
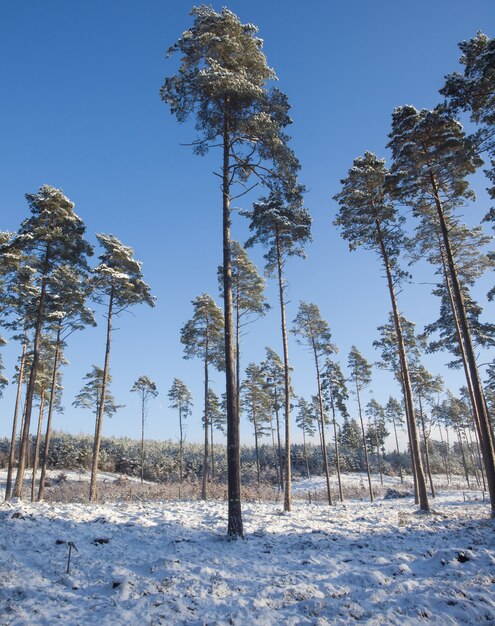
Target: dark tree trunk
pixel 397 448
pixel 283 324
pixel 37 442
pixel 426 447
pixel 305 451
pixel 206 451
pixel 463 456
pixel 93 486
pixel 234 528
pixel 406 381
pixel 279 444
pixel 365 447
pixel 337 456
pixel 10 470
pixel 322 420
pixel 482 417
pixel 53 393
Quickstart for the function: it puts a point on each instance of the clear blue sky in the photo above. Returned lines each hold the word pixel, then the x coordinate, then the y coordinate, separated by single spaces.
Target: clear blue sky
pixel 80 110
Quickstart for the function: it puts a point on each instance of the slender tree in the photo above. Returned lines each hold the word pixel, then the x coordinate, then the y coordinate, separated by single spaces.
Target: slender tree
pixel 216 417
pixel 146 390
pixel 313 332
pixel 223 82
pixel 361 378
pixel 119 282
pixel 306 420
pixel 394 414
pixel 334 390
pixel 369 219
pixel 432 159
pixel 283 226
pixel 377 432
pixel 202 337
pixel 256 404
pixel 181 400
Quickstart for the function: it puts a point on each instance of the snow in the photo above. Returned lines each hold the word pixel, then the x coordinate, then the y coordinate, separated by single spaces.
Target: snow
pixel 170 563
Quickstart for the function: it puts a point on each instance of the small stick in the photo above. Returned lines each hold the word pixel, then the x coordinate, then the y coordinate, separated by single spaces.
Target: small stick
pixel 71 545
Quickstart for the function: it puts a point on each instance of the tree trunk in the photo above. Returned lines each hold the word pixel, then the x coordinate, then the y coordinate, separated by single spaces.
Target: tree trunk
pixel 234 529
pixel 93 488
pixel 378 456
pixel 414 440
pixel 10 470
pixel 425 444
pixel 143 402
pixel 365 447
pixel 283 324
pixel 305 451
pixel 397 448
pixel 206 451
pixel 463 456
pixel 337 457
pixel 37 443
pixel 53 393
pixel 24 444
pixel 482 421
pixel 181 449
pixel 322 419
pixel 212 451
pixel 258 470
pixel 279 444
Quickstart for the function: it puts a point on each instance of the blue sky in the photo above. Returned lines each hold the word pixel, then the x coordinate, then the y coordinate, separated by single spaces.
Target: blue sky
pixel 80 110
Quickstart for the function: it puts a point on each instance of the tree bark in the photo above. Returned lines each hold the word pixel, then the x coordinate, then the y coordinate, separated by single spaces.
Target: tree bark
pixel 279 444
pixel 483 421
pixel 322 420
pixel 283 325
pixel 53 393
pixel 93 488
pixel 337 457
pixel 10 470
pixel 37 443
pixel 206 452
pixel 234 529
pixel 365 447
pixel 397 447
pixel 413 432
pixel 425 443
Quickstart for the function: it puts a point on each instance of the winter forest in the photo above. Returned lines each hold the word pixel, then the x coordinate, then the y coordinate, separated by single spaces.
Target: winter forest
pixel 264 394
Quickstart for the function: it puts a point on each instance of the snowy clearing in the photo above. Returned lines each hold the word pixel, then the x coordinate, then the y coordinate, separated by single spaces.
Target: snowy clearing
pixel 169 563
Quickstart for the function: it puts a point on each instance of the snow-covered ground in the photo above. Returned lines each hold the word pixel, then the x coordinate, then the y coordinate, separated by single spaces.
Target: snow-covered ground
pixel 169 563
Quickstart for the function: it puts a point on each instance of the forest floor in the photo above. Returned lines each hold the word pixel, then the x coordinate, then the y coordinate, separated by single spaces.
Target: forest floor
pixel 166 563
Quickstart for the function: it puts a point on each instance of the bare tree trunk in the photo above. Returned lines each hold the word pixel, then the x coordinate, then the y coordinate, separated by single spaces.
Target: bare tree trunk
pixel 482 417
pixel 425 443
pixel 337 455
pixel 206 452
pixel 445 455
pixel 322 419
pixel 93 487
pixel 463 456
pixel 283 323
pixel 24 444
pixel 10 470
pixel 234 529
pixel 397 448
pixel 365 447
pixel 279 445
pixel 378 456
pixel 212 451
pixel 414 440
pixel 37 443
pixel 143 416
pixel 181 448
pixel 305 451
pixel 53 393
pixel 478 455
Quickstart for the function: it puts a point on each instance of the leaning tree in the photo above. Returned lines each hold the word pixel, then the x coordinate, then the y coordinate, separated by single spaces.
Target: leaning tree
pixel 223 82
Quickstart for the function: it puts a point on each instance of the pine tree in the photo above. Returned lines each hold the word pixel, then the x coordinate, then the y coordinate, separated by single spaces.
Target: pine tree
pixel 90 395
pixel 361 378
pixel 248 296
pixel 313 332
pixel 432 159
pixel 377 432
pixel 474 91
pixel 222 81
pixel 351 443
pixel 256 403
pixel 394 414
pixel 217 420
pixel 202 337
pixel 275 383
pixel 181 399
pixel 369 219
pixel 334 390
pixel 282 225
pixel 146 389
pixel 306 420
pixel 51 237
pixel 119 282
